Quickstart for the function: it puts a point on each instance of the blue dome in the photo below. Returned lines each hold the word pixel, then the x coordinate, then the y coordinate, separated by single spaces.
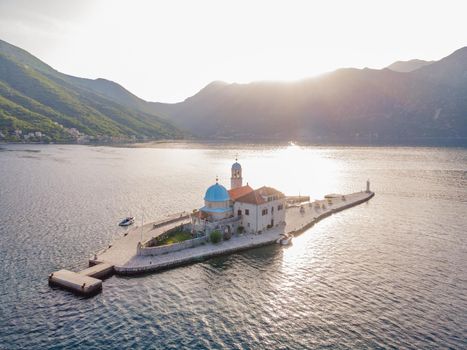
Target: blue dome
pixel 216 193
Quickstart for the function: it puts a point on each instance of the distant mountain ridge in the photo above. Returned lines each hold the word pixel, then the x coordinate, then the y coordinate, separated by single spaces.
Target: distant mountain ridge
pixel 426 105
pixel 408 66
pixel 38 103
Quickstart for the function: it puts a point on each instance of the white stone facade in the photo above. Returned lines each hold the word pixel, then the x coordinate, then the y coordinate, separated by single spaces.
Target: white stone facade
pixel 255 218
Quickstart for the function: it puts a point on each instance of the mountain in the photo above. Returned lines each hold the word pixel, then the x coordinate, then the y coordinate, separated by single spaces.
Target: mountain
pixel 38 103
pixel 423 106
pixel 408 66
pixel 413 102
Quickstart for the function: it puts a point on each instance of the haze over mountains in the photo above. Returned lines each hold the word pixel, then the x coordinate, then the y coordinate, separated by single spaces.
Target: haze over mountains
pixel 425 105
pixel 409 102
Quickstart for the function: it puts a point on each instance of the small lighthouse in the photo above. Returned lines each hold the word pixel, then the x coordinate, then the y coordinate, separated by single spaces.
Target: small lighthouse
pixel 368 186
pixel 236 179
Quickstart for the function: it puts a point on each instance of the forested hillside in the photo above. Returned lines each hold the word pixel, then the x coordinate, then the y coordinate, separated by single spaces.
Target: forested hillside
pixel 38 103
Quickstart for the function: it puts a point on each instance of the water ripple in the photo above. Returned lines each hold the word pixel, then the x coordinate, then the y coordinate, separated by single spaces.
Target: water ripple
pixel 389 274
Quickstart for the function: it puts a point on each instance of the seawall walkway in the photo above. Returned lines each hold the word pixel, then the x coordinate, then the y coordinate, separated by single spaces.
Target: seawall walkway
pixel 121 256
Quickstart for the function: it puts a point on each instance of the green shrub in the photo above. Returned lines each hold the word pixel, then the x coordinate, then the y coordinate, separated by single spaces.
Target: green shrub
pixel 240 229
pixel 215 236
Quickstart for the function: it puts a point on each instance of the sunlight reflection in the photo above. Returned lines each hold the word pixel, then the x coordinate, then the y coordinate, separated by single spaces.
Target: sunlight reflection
pixel 295 263
pixel 293 170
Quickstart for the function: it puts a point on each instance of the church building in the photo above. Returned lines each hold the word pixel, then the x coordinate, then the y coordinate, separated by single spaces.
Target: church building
pixel 253 211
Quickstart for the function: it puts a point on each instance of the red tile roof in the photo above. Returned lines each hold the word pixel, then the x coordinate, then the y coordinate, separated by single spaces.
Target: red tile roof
pixel 252 198
pixel 239 192
pixel 269 191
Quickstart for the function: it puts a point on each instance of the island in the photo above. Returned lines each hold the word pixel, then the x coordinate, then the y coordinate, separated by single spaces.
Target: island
pixel 230 221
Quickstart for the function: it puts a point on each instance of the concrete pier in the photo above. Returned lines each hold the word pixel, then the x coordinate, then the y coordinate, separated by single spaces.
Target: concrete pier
pixel 121 256
pixel 101 271
pixel 78 283
pixel 85 282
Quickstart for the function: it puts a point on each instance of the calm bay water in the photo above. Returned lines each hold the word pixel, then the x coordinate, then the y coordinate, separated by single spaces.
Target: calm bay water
pixel 391 273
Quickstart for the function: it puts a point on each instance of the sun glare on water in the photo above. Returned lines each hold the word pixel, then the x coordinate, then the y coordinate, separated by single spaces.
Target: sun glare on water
pixel 293 170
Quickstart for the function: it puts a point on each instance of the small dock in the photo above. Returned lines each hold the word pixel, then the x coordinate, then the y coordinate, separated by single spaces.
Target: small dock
pixel 76 282
pixel 85 282
pixel 121 256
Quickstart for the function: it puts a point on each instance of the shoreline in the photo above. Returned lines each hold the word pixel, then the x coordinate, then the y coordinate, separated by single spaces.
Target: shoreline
pixel 244 143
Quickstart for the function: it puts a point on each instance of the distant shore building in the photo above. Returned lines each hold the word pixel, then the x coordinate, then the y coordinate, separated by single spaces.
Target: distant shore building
pixel 241 208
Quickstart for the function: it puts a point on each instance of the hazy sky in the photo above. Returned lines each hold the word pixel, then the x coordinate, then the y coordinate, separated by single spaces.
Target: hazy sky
pixel 168 50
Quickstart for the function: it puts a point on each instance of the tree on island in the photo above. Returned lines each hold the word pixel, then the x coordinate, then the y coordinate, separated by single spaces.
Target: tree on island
pixel 215 236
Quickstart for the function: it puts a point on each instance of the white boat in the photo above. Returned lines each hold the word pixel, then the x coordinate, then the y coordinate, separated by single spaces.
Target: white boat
pixel 127 221
pixel 284 239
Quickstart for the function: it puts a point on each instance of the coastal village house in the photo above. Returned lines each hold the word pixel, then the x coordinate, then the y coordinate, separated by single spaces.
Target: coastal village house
pixel 241 208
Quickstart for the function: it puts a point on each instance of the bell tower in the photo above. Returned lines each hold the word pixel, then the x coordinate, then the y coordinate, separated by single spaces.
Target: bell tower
pixel 236 179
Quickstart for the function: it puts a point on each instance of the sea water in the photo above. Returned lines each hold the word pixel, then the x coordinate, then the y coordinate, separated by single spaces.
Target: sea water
pixel 390 273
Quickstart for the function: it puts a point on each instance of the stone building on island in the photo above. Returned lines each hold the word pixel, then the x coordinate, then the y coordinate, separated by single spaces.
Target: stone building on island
pixel 240 209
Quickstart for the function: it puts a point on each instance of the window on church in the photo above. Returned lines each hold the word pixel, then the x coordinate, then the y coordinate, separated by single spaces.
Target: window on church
pixel 239 213
pixel 265 212
pixel 247 212
pixel 280 207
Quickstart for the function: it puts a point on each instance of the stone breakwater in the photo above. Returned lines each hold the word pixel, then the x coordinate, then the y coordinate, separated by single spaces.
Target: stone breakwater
pixel 297 221
pixel 124 256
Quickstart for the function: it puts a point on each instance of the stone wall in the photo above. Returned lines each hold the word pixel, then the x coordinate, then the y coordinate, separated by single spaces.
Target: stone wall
pixel 164 249
pixel 153 241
